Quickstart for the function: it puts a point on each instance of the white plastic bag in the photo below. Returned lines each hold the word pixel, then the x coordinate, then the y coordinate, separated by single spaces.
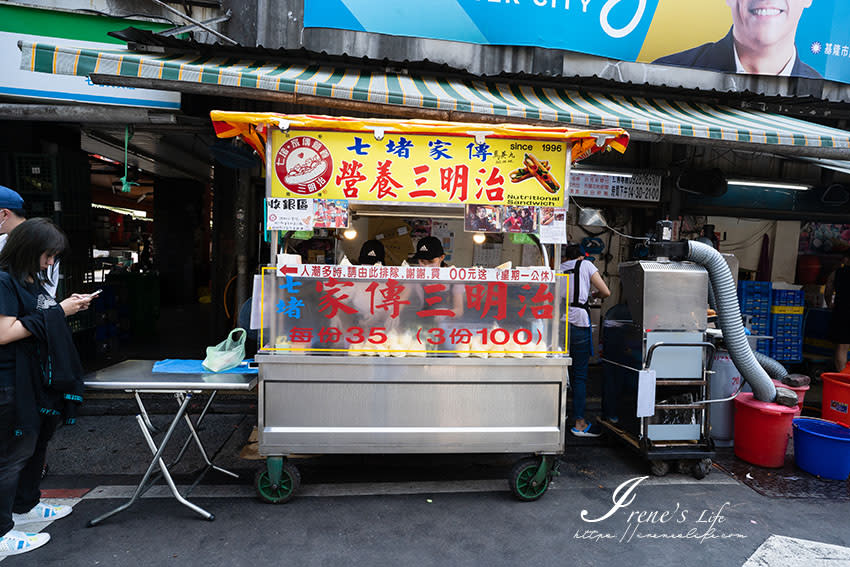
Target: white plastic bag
pixel 228 353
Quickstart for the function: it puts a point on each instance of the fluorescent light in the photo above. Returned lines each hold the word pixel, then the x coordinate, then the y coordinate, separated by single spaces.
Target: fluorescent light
pixel 123 211
pixel 789 186
pixel 597 172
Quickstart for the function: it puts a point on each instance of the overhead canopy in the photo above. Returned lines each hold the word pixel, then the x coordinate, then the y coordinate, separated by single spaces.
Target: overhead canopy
pixel 442 98
pixel 250 126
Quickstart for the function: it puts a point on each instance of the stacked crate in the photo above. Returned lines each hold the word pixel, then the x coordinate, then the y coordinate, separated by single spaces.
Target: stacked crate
pixel 755 300
pixel 786 324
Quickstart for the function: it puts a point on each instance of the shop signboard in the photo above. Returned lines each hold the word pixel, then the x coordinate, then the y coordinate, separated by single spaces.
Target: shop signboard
pixel 422 168
pixel 20 23
pixel 693 34
pixel 409 310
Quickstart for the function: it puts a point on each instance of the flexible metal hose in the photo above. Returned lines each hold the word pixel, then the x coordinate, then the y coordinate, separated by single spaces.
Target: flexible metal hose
pixel 729 317
pixel 773 367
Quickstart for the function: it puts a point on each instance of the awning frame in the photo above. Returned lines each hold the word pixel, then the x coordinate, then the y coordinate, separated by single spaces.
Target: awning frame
pixel 650 120
pixel 435 114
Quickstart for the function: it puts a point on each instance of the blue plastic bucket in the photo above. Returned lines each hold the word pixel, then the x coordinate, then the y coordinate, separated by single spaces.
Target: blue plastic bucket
pixel 822 448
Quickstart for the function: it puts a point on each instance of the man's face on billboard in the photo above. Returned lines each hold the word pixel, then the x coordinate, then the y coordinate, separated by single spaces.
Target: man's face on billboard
pixel 764 23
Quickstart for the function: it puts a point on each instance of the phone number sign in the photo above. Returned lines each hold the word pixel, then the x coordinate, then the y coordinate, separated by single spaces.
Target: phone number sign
pixel 636 187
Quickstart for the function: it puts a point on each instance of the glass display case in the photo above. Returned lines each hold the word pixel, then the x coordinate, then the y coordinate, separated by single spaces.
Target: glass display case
pixel 410 312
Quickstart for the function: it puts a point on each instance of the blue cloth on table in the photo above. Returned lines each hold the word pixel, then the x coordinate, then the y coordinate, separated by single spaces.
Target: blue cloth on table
pixel 191 366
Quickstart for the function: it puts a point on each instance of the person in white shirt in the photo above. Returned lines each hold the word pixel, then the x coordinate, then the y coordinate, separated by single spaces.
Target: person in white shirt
pixel 583 277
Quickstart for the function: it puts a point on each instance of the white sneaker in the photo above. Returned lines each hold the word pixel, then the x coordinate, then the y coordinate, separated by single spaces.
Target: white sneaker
pixel 15 542
pixel 42 513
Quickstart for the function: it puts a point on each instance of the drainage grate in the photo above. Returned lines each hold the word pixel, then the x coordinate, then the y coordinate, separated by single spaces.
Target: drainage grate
pixel 786 482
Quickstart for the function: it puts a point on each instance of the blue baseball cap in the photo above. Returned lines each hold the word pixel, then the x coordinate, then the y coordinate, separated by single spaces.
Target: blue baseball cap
pixel 10 199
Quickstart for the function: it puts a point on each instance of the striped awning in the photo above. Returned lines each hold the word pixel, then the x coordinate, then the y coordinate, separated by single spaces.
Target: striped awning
pixel 463 99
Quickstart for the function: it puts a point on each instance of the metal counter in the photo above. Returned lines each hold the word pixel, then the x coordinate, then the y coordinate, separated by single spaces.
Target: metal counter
pixel 341 404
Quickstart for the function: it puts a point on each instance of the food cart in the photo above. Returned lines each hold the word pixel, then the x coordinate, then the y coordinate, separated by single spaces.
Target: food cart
pixel 403 358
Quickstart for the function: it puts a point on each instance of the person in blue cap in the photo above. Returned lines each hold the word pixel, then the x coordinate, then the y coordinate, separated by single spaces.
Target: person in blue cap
pixel 12 214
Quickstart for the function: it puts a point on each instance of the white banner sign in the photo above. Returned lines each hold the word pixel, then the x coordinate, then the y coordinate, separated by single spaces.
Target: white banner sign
pixel 553 225
pixel 636 187
pixel 417 273
pixel 289 214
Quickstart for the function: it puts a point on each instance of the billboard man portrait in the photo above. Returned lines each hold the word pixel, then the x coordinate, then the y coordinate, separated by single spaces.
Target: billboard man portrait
pixel 761 42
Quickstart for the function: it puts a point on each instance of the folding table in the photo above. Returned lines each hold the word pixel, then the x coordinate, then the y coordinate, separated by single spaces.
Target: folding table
pixel 137 376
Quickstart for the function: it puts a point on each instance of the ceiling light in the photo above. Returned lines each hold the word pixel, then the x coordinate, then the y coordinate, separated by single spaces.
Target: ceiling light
pixel 479 238
pixel 788 186
pixel 349 234
pixel 135 213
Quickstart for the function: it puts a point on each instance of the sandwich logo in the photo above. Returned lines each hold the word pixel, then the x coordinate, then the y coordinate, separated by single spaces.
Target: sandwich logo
pixel 303 165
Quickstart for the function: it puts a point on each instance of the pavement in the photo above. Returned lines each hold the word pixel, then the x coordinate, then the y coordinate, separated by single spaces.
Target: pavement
pixel 418 510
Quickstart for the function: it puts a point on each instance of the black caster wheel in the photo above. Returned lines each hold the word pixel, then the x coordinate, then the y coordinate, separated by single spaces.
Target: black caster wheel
pixel 659 468
pixel 701 468
pixel 522 481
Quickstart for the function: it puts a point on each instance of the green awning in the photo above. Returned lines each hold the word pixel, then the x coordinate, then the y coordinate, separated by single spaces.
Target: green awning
pixel 658 118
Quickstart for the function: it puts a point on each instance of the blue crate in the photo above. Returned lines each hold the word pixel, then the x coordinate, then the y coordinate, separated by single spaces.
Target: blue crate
pixel 790 297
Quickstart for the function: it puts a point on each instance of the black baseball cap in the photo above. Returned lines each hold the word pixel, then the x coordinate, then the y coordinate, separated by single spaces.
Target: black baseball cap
pixel 371 253
pixel 428 248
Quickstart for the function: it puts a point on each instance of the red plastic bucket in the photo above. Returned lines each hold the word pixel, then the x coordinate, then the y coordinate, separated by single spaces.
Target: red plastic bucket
pixel 836 397
pixel 800 390
pixel 761 431
pixel 801 394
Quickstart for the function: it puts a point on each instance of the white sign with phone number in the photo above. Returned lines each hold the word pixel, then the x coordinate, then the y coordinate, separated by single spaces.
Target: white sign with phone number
pixel 638 187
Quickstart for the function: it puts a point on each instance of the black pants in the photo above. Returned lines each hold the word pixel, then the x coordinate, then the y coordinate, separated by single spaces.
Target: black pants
pixel 29 481
pixel 15 453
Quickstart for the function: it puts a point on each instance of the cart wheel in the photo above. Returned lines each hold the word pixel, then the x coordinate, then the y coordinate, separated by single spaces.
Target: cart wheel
pixel 290 480
pixel 659 468
pixel 522 480
pixel 701 468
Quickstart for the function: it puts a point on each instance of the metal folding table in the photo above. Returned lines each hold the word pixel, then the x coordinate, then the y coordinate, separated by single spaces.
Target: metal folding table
pixel 137 376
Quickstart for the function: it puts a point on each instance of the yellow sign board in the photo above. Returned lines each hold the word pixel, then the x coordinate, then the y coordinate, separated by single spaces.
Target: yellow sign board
pixel 410 167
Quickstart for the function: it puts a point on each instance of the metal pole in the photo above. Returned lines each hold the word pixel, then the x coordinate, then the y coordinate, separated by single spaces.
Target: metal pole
pixel 241 240
pixel 271 323
pixel 196 22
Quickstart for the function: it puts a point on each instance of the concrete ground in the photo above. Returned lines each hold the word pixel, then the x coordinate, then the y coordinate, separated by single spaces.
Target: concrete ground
pixel 416 510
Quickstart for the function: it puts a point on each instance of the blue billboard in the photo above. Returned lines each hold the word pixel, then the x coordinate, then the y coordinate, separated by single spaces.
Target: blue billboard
pixel 803 38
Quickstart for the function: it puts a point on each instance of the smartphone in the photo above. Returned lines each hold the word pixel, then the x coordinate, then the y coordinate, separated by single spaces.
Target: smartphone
pixel 95 293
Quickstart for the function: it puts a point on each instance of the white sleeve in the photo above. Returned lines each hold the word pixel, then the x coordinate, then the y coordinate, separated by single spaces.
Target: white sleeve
pixel 52 279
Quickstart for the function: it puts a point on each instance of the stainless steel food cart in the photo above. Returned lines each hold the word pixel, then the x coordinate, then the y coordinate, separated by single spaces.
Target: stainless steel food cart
pixel 356 378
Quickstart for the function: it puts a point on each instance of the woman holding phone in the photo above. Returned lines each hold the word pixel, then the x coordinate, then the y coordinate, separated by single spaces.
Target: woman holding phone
pixel 40 378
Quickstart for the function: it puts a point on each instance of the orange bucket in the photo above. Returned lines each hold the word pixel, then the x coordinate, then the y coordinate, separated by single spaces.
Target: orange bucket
pixel 836 397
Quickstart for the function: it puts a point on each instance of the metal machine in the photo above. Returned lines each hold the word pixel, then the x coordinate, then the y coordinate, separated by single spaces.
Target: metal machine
pixel 656 363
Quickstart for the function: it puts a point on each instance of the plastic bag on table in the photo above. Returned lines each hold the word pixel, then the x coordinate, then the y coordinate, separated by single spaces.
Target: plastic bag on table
pixel 228 353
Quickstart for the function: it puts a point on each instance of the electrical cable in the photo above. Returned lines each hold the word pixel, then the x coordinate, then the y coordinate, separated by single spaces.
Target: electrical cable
pixel 224 296
pixel 615 231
